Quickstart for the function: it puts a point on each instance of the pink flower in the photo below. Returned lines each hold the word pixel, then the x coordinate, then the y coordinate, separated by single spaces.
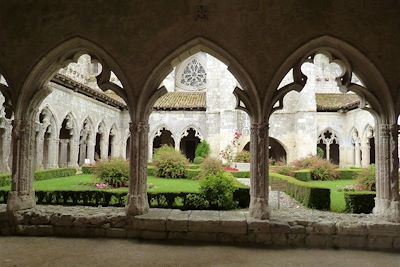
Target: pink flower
pixel 101 186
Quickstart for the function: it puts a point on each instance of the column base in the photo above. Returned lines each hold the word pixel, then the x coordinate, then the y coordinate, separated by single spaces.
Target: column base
pixel 21 200
pixel 137 204
pixel 389 210
pixel 259 208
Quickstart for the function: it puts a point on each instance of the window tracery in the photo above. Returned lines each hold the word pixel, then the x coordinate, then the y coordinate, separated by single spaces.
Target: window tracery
pixel 194 74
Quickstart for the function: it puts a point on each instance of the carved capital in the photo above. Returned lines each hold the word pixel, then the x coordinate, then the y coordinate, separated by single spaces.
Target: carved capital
pixel 136 128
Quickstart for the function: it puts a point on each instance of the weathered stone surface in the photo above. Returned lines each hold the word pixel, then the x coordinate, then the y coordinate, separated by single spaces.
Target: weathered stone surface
pixel 279 227
pixel 116 232
pixel 156 235
pixel 381 229
pixel 178 221
pixel 62 220
pixel 350 241
pixel 380 242
pixel 204 221
pixel 233 222
pixel 34 230
pixel 154 220
pixel 202 236
pixel 346 228
pixel 258 226
pixel 324 227
pixel 318 241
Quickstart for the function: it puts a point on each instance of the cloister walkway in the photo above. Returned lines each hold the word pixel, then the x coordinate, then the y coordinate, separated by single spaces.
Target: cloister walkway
pixel 60 252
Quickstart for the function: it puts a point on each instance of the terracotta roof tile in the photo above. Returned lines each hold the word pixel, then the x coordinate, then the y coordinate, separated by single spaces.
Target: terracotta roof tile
pixel 181 101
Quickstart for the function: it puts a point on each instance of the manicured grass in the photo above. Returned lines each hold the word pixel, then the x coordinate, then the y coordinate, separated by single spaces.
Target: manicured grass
pixel 337 198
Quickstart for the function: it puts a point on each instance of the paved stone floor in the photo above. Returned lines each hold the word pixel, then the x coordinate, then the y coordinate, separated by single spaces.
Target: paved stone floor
pixel 53 252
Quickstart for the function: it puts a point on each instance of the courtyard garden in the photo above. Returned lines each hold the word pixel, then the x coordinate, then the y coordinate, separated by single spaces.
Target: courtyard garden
pixel 174 183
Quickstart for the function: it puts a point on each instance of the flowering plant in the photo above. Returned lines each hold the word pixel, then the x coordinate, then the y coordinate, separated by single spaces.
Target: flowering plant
pixel 101 186
pixel 230 150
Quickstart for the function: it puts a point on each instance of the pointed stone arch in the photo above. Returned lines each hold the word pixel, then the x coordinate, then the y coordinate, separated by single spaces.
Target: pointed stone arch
pixel 113 141
pixel 329 141
pixel 86 142
pixel 46 139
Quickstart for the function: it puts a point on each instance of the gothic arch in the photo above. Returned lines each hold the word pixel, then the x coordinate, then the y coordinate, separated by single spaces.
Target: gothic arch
pixel 329 141
pixel 199 134
pixel 34 88
pixel 151 90
pixel 353 61
pixel 54 122
pixel 70 115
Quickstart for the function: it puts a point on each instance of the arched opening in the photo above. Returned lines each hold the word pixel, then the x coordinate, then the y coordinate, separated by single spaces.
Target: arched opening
pixel 163 137
pixel 100 143
pixel 277 152
pixel 189 143
pixel 64 150
pixel 329 143
pixel 372 150
pixel 86 144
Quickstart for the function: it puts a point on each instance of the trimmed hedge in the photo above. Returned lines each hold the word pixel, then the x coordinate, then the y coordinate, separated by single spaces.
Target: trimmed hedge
pixel 303 175
pixel 192 173
pixel 241 174
pixel 5 179
pixel 88 169
pixel 310 196
pixel 118 199
pixel 360 202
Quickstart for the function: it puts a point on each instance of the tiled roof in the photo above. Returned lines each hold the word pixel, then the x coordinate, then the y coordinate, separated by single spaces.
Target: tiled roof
pixel 107 98
pixel 335 102
pixel 181 101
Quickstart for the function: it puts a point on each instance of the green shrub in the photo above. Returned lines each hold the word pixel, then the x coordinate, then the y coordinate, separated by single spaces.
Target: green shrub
pixel 309 195
pixel 305 163
pixel 88 169
pixel 198 160
pixel 324 170
pixel 366 178
pixel 243 174
pixel 5 179
pixel 202 149
pixel 348 174
pixel 284 170
pixel 54 173
pixel 243 156
pixel 169 163
pixel 192 174
pixel 218 190
pixel 151 170
pixel 303 175
pixel 195 202
pixel 114 172
pixel 209 167
pixel 360 202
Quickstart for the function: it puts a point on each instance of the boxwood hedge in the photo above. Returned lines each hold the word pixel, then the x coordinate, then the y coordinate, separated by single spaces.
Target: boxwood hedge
pixel 360 201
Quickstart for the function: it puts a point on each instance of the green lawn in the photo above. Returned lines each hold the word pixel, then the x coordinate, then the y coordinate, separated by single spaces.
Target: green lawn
pixel 337 198
pixel 86 182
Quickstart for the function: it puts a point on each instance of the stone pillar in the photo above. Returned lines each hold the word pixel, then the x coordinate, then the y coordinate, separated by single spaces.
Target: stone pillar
pixel 387 181
pixel 53 153
pixel 74 150
pixel 137 196
pixel 90 150
pixel 177 142
pixel 150 150
pixel 62 161
pixel 365 160
pixel 328 149
pixel 5 149
pixel 357 152
pixel 104 146
pixel 39 150
pixel 259 188
pixel 22 195
pixel 82 154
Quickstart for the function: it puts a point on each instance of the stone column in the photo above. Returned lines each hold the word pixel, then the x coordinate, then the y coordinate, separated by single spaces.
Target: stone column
pixel 5 149
pixel 62 161
pixel 387 186
pixel 74 150
pixel 357 152
pixel 150 150
pixel 259 188
pixel 82 155
pixel 53 153
pixel 365 160
pixel 137 196
pixel 90 150
pixel 22 195
pixel 328 149
pixel 104 146
pixel 39 150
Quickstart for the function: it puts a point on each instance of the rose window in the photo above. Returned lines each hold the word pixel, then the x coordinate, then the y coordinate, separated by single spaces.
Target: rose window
pixel 194 74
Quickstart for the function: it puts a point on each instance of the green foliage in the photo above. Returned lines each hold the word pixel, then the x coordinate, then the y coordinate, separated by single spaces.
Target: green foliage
pixel 366 178
pixel 169 163
pixel 320 153
pixel 195 202
pixel 5 179
pixel 348 174
pixel 303 175
pixel 198 160
pixel 284 170
pixel 243 174
pixel 359 202
pixel 114 172
pixel 88 169
pixel 202 149
pixel 243 156
pixel 310 196
pixel 54 173
pixel 209 167
pixel 192 174
pixel 320 169
pixel 218 191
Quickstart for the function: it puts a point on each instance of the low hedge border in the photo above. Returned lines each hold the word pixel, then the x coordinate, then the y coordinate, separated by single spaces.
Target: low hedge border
pixel 344 174
pixel 5 179
pixel 310 196
pixel 118 199
pixel 360 201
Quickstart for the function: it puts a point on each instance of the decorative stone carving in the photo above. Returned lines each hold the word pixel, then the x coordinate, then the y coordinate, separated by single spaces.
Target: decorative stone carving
pixel 194 75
